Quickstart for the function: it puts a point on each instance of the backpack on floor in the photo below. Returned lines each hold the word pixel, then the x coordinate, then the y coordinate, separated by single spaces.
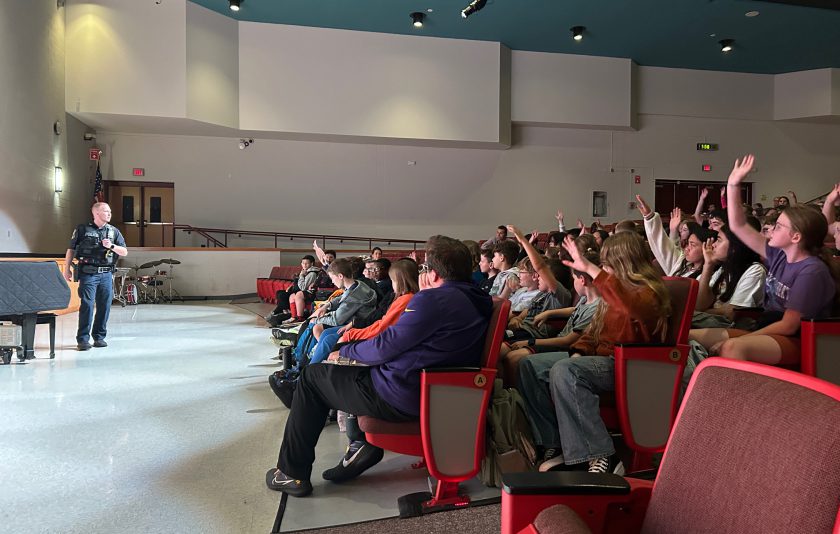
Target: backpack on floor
pixel 509 442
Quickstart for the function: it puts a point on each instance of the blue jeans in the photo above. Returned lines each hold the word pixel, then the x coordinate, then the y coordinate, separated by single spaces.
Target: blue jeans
pixel 95 289
pixel 534 386
pixel 575 385
pixel 329 337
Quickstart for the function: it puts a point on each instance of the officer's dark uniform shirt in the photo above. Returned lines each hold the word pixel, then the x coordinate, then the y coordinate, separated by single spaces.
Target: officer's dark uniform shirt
pixel 87 242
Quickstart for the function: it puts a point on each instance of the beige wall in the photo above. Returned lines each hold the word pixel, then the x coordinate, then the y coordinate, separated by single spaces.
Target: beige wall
pixel 33 217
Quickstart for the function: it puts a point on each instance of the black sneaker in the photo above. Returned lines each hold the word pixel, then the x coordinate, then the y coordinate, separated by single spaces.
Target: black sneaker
pixel 551 460
pixel 99 343
pixel 606 465
pixel 278 481
pixel 276 319
pixel 83 346
pixel 283 388
pixel 360 457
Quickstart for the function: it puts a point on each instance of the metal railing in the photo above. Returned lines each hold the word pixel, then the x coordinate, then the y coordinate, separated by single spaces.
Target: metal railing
pixel 218 237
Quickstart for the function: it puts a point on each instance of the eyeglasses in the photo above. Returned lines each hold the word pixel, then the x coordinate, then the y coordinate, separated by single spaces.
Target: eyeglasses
pixel 372 269
pixel 780 225
pixel 424 268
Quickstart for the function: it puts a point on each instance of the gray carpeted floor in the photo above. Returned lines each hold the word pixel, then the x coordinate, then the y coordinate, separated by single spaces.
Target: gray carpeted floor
pixel 473 520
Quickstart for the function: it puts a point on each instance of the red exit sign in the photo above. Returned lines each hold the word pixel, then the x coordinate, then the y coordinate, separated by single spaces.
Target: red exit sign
pixel 138 171
pixel 707 168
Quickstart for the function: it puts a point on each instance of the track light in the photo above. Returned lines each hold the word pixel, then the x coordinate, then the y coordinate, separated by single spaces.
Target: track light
pixel 475 5
pixel 726 45
pixel 417 19
pixel 245 143
pixel 577 32
pixel 234 4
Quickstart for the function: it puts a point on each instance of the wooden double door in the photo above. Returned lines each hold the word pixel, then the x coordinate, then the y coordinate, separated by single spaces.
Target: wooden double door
pixel 685 194
pixel 143 211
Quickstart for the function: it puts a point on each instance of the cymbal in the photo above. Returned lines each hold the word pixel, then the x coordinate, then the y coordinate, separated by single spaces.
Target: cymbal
pixel 150 264
pixel 170 261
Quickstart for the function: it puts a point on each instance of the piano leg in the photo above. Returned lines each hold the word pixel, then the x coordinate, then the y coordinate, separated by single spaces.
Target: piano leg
pixel 29 320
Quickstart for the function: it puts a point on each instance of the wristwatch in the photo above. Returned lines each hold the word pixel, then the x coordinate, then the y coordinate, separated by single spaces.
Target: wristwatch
pixel 532 342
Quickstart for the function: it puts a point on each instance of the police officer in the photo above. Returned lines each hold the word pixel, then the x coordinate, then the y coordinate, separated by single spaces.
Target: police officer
pixel 96 246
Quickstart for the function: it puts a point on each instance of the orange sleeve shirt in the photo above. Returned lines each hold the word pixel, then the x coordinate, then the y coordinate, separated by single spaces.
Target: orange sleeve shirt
pixel 631 317
pixel 391 316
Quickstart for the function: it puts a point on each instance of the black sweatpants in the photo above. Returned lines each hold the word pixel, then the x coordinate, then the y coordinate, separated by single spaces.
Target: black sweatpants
pixel 323 386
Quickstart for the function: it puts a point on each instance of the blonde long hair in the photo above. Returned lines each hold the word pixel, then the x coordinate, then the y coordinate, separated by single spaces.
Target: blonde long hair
pixel 631 262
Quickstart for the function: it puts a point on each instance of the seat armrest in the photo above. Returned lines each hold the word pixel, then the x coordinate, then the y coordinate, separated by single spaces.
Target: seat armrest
pixel 452 370
pixel 606 502
pixel 565 483
pixel 676 354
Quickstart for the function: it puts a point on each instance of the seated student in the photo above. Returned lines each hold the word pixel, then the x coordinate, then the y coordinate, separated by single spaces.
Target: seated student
pixel 555 239
pixel 326 257
pixel 625 226
pixel 486 266
pixel 358 300
pixel 403 275
pixel 376 253
pixel 634 308
pixel 717 218
pixel 377 270
pixel 600 236
pixel 528 288
pixel 500 237
pixel 447 326
pixel 733 277
pixel 358 264
pixel 553 294
pixel 302 292
pixel 681 226
pixel 578 319
pixel 478 275
pixel 687 262
pixel 801 282
pixel 504 261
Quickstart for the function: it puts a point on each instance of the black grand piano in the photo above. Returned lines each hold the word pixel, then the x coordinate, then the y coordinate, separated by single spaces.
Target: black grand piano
pixel 27 288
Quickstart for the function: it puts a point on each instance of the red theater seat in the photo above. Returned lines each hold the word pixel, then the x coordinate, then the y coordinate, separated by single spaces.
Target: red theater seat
pixel 450 433
pixel 753 450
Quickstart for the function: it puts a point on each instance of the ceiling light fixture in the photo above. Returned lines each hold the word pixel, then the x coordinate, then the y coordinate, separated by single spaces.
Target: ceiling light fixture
pixel 726 45
pixel 417 19
pixel 235 4
pixel 58 179
pixel 751 14
pixel 577 32
pixel 475 5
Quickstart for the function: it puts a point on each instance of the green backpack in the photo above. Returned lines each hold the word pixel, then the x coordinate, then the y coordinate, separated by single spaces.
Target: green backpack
pixel 509 443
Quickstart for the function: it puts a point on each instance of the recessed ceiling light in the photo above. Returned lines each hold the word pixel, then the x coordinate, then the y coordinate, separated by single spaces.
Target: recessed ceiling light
pixel 751 14
pixel 577 32
pixel 429 10
pixel 417 19
pixel 234 5
pixel 726 45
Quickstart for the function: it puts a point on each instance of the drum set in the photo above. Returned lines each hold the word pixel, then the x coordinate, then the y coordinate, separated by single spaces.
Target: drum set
pixel 140 288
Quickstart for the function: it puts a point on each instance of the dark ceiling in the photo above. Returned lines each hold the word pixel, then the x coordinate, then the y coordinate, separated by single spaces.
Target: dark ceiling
pixel 783 37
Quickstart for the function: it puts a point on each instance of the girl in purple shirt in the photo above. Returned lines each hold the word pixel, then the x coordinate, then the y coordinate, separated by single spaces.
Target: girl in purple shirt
pixel 800 283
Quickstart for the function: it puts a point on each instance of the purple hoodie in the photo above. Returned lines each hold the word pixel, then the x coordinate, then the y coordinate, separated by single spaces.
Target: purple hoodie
pixel 440 327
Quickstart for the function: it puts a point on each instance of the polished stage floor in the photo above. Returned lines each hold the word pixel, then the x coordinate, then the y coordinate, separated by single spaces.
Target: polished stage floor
pixel 170 428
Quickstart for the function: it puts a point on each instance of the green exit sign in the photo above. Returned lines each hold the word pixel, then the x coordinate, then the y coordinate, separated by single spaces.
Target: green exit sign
pixel 707 146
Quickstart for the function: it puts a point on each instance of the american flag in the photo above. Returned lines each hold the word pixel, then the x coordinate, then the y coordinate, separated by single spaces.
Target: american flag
pixel 98 195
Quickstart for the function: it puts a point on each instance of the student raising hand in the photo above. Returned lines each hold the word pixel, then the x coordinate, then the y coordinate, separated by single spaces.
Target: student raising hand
pixel 709 253
pixel 644 209
pixel 676 219
pixel 579 263
pixel 741 169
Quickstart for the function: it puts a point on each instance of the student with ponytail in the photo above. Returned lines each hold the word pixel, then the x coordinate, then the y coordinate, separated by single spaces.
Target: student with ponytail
pixel 800 281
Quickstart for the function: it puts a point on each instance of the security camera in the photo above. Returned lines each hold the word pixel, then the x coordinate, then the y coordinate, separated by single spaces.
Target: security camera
pixel 475 5
pixel 90 136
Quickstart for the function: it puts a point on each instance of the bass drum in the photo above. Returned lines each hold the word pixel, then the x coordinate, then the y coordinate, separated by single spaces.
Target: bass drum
pixel 131 294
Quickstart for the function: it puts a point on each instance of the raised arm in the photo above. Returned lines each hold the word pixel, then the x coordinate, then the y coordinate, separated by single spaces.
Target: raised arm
pixel 560 226
pixel 666 252
pixel 537 259
pixel 723 197
pixel 699 209
pixel 737 219
pixel 828 208
pixel 674 224
pixel 792 197
pixel 319 252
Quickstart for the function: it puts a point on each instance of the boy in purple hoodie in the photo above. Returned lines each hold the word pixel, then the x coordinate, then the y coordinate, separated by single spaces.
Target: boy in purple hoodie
pixel 442 326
